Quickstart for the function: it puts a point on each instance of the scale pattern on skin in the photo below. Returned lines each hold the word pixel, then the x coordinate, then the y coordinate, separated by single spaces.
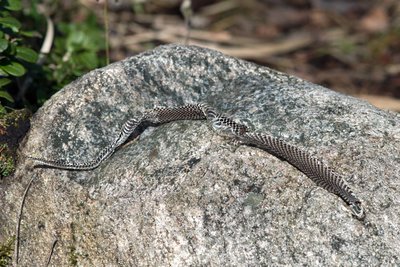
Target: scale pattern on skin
pixel 314 168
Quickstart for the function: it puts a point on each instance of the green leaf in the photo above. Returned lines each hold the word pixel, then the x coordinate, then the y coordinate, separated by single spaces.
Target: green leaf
pixel 12 48
pixel 2 110
pixel 3 44
pixel 4 82
pixel 13 5
pixel 31 33
pixel 6 95
pixel 14 68
pixel 88 59
pixel 26 54
pixel 10 22
pixel 3 73
pixel 75 40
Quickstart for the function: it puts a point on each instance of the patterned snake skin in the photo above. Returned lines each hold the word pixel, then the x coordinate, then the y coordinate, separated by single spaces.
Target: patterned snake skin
pixel 314 168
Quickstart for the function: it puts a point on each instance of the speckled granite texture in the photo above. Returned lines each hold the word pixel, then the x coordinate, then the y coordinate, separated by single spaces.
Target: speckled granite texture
pixel 181 196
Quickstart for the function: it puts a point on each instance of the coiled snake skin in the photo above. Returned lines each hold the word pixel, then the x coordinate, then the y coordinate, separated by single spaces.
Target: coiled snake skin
pixel 315 169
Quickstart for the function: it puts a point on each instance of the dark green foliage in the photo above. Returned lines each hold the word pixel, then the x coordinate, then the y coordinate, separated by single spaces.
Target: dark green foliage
pixel 75 50
pixel 15 55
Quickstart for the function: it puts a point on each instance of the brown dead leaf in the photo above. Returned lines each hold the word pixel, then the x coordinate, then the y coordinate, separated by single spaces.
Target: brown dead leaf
pixel 376 20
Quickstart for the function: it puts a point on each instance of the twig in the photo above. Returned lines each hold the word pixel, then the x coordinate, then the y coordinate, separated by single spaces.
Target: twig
pixel 106 32
pixel 251 51
pixel 218 8
pixel 186 10
pixel 51 252
pixel 44 51
pixel 16 248
pixel 48 40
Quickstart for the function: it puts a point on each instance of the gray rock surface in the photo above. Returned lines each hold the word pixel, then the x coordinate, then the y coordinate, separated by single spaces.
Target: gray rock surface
pixel 180 195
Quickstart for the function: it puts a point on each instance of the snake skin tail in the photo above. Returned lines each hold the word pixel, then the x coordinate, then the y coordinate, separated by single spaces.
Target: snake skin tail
pixel 62 164
pixel 127 129
pixel 315 169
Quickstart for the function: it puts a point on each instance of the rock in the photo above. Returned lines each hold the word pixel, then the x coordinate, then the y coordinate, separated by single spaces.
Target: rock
pixel 180 195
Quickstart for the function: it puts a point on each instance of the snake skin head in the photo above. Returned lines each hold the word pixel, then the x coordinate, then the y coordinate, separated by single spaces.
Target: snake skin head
pixel 357 210
pixel 228 127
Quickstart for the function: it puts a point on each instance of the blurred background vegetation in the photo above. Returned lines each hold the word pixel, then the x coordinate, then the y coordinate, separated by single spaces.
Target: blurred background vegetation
pixel 349 46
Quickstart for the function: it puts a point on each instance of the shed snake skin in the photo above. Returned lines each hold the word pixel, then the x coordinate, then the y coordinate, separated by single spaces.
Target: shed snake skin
pixel 311 166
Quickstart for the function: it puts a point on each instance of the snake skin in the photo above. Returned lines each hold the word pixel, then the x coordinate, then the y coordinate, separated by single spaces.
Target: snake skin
pixel 314 168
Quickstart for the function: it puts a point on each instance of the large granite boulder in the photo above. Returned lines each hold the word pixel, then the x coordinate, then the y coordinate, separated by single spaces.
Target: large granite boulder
pixel 180 195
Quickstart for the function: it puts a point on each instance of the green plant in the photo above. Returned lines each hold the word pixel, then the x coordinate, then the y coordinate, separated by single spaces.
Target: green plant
pixel 15 56
pixel 6 251
pixel 77 48
pixel 6 162
pixel 75 52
